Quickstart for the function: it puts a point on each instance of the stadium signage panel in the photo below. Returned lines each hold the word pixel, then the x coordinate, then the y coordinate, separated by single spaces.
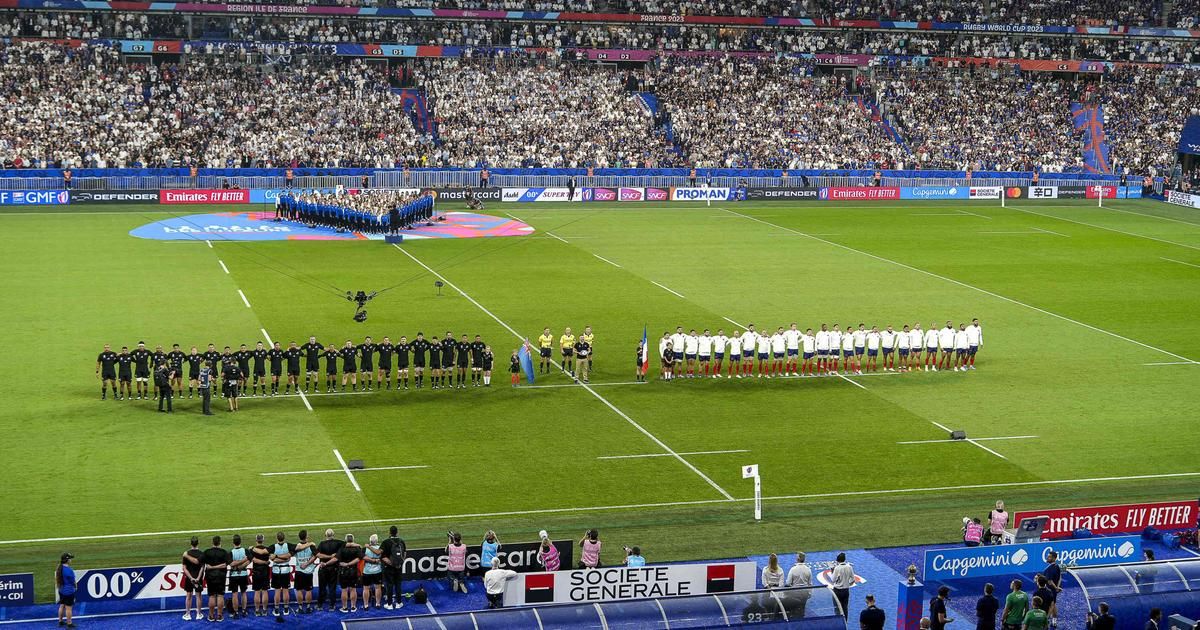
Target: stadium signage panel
pixel 624 583
pixel 631 194
pixel 935 192
pixel 701 194
pixel 461 194
pixel 599 194
pixel 537 194
pixel 658 194
pixel 114 196
pixel 1183 199
pixel 1115 519
pixel 428 564
pixel 34 198
pixel 986 192
pixel 1043 192
pixel 783 194
pixel 973 562
pixel 16 589
pixel 860 193
pixel 1107 192
pixel 192 196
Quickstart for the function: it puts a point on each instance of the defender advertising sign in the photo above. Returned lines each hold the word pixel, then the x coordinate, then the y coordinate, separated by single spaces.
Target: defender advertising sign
pixel 621 583
pixel 973 562
pixel 783 194
pixel 114 196
pixel 1115 519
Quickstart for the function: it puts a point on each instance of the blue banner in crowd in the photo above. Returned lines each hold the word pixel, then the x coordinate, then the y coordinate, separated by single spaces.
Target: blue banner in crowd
pixel 971 562
pixel 34 198
pixel 936 192
pixel 1189 140
pixel 16 589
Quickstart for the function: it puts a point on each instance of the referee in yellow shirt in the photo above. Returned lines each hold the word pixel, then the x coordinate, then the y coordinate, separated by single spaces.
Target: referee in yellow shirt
pixel 567 345
pixel 545 344
pixel 587 337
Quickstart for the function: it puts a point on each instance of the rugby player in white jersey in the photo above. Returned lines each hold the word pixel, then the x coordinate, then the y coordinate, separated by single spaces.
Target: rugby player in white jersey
pixel 887 341
pixel 873 349
pixel 704 351
pixel 749 340
pixel 763 350
pixel 931 347
pixel 809 343
pixel 691 344
pixel 903 339
pixel 778 346
pixel 849 364
pixel 961 345
pixel 822 349
pixel 946 341
pixel 735 354
pixel 915 337
pixel 792 337
pixel 835 344
pixel 677 341
pixel 860 344
pixel 719 342
pixel 664 351
pixel 974 341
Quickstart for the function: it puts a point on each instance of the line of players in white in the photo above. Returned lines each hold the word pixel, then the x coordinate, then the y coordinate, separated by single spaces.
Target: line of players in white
pixel 792 352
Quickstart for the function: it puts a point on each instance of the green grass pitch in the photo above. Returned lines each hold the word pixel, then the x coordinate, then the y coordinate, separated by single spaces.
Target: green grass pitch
pixel 1091 333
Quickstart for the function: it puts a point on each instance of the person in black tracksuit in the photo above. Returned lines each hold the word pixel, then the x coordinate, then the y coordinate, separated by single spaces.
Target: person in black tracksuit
pixel 163 377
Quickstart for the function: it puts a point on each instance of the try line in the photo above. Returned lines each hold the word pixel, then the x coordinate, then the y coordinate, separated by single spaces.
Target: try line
pixel 601 508
pixel 585 386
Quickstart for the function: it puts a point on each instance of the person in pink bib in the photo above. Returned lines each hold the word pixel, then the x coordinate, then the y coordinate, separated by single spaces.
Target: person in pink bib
pixel 589 547
pixel 456 565
pixel 547 553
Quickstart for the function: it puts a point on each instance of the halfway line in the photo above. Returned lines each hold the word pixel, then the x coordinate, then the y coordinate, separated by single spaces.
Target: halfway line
pixel 742 450
pixel 590 390
pixel 732 322
pixel 347 470
pixel 668 289
pixel 223 267
pixel 964 285
pixel 264 332
pixel 1007 437
pixel 947 430
pixel 1045 231
pixel 557 236
pixel 244 300
pixel 335 470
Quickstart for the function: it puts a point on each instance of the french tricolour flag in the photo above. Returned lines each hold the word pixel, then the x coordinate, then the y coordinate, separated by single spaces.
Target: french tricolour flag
pixel 645 351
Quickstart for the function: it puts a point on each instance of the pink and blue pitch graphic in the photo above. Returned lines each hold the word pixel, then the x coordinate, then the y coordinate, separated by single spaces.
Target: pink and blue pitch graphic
pixel 260 226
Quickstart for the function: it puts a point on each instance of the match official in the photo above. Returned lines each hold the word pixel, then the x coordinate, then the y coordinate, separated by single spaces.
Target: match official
pixel 163 376
pixel 204 384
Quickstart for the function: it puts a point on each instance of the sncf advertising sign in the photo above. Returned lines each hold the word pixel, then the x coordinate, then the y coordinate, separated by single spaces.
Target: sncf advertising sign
pixel 1116 519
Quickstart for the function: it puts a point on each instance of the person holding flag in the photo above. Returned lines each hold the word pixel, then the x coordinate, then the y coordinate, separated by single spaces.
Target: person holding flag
pixel 643 358
pixel 515 368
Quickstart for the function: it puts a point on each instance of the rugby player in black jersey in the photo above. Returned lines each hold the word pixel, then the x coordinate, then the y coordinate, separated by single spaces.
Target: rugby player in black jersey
pixel 401 349
pixel 435 361
pixel 293 354
pixel 275 356
pixel 419 348
pixel 331 364
pixel 350 365
pixel 156 359
pixel 106 371
pixel 448 349
pixel 385 350
pixel 312 361
pixel 243 360
pixel 366 355
pixel 194 358
pixel 124 374
pixel 462 357
pixel 141 368
pixel 175 361
pixel 477 348
pixel 260 369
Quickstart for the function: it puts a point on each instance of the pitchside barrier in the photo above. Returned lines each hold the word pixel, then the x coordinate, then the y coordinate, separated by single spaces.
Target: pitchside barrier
pixel 971 562
pixel 157 582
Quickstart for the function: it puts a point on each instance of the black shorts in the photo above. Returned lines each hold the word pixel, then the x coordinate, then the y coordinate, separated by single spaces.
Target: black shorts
pixel 66 600
pixel 108 376
pixel 192 586
pixel 545 352
pixel 487 366
pixel 276 371
pixel 193 376
pixel 125 377
pixel 477 361
pixel 281 580
pixel 245 371
pixel 331 371
pixel 350 369
pixel 231 389
pixel 140 373
pixel 293 371
pixel 215 581
pixel 416 364
pixel 366 367
pixel 386 369
pixel 261 371
pixel 446 364
pixel 371 579
pixel 238 583
pixel 463 364
pixel 261 580
pixel 312 367
pixel 304 581
pixel 402 365
pixel 348 577
pixel 566 352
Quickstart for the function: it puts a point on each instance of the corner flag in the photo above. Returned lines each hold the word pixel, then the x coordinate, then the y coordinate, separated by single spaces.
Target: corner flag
pixel 526 361
pixel 645 351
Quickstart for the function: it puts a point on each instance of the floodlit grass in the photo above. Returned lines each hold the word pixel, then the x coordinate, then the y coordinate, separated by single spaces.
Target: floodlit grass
pixel 1076 301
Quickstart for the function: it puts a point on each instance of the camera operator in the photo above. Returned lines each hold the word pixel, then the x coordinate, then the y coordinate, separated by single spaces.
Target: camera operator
pixel 634 557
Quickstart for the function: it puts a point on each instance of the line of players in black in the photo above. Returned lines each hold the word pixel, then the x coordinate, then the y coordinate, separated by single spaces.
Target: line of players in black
pixel 448 363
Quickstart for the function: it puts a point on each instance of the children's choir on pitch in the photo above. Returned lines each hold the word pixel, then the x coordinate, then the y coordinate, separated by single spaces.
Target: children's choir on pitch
pixel 827 351
pixel 380 211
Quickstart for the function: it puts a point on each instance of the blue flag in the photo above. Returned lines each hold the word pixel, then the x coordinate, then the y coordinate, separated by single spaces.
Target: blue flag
pixel 526 361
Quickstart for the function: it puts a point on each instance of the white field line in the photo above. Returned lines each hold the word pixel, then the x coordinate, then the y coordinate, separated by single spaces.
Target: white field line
pixel 947 430
pixel 1191 551
pixel 346 469
pixel 223 267
pixel 732 322
pixel 607 261
pixel 981 216
pixel 1101 227
pixel 1180 262
pixel 667 289
pixel 590 389
pixel 668 454
pixel 936 214
pixel 1175 363
pixel 98 615
pixel 304 398
pixel 968 286
pixel 515 218
pixel 854 383
pixel 1153 216
pixel 209 244
pixel 335 470
pixel 267 336
pixel 244 300
pixel 1006 437
pixel 1027 232
pixel 1045 231
pixel 601 508
pixel 577 385
pixel 557 237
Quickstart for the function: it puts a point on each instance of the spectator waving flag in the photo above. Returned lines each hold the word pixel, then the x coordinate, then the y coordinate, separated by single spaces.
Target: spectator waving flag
pixel 526 361
pixel 645 351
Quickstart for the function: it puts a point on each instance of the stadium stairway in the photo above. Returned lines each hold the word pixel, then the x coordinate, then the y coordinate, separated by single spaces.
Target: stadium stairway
pixel 413 102
pixel 650 102
pixel 1089 124
pixel 871 109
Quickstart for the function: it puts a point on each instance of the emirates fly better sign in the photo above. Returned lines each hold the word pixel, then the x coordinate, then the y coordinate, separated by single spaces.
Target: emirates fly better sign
pixel 1116 519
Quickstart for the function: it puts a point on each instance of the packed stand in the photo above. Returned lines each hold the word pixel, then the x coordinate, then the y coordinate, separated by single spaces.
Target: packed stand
pixel 990 120
pixel 1144 112
pixel 769 114
pixel 539 112
pixel 83 107
pixel 1185 14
